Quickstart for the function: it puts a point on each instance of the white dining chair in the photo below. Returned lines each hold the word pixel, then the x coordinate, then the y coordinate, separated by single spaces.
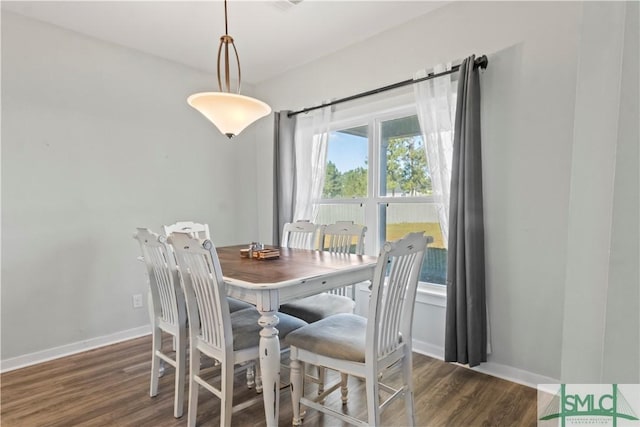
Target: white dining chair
pixel 300 235
pixel 343 237
pixel 167 312
pixel 363 347
pixel 193 229
pixel 215 332
pixel 200 231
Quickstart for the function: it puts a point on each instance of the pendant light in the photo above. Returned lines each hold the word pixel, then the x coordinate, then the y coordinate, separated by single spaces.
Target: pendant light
pixel 230 112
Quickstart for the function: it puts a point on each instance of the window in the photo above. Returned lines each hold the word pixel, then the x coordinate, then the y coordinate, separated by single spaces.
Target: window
pixel 377 174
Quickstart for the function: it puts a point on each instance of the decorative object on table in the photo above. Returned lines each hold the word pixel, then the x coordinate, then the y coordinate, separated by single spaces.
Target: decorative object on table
pixel 267 254
pixel 257 251
pixel 253 247
pixel 230 112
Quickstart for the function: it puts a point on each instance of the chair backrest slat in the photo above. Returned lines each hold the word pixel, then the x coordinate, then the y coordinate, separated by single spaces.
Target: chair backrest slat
pixel 343 237
pixel 166 293
pixel 164 282
pixel 393 294
pixel 205 292
pixel 300 235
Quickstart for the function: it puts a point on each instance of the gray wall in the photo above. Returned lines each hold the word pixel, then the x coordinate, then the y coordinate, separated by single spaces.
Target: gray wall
pixel 529 107
pixel 600 329
pixel 96 141
pixel 621 347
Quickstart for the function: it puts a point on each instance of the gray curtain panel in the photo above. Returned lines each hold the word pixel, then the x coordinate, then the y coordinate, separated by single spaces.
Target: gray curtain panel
pixel 466 318
pixel 284 172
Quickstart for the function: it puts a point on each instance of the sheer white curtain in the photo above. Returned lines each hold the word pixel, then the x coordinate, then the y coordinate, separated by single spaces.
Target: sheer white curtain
pixel 311 138
pixel 436 105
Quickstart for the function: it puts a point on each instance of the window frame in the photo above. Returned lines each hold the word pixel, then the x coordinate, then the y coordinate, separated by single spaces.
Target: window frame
pixel 373 202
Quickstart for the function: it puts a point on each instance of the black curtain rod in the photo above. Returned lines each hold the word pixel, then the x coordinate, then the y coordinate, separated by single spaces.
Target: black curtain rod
pixel 481 62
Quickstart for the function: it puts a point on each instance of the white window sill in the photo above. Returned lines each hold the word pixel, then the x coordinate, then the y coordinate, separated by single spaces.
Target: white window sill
pixel 431 294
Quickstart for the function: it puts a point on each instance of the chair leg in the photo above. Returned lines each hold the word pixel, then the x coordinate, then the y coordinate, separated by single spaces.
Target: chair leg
pixel 322 377
pixel 344 390
pixel 156 345
pixel 297 384
pixel 194 371
pixel 258 377
pixel 178 406
pixel 373 410
pixel 251 376
pixel 226 403
pixel 408 394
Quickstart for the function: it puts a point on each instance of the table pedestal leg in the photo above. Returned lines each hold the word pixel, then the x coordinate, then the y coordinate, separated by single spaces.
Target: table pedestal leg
pixel 270 365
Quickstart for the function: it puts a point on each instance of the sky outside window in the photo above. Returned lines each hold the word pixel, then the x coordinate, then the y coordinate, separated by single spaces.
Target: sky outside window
pixel 347 169
pixel 347 151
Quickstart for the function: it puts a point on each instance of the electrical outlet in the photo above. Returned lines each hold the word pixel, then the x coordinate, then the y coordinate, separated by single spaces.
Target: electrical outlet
pixel 137 301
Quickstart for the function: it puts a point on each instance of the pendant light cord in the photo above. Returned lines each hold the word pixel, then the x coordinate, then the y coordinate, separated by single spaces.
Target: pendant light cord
pixel 226 25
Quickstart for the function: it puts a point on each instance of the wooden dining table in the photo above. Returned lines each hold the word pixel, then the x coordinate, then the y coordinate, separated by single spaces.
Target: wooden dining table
pixel 297 273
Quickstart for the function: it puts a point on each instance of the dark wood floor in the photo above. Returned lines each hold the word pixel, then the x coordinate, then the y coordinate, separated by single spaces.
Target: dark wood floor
pixel 109 387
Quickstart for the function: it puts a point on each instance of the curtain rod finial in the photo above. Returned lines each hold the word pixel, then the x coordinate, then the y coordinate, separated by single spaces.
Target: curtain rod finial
pixel 482 62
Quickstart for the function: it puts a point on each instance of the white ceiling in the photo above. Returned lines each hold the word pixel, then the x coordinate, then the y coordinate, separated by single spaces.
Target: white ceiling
pixel 271 36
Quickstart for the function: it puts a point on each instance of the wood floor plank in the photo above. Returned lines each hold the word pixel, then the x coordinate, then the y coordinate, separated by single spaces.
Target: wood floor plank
pixel 110 387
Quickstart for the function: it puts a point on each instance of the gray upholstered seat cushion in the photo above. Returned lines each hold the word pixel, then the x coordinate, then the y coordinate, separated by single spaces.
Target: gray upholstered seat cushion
pixel 237 305
pixel 341 336
pixel 246 331
pixel 318 307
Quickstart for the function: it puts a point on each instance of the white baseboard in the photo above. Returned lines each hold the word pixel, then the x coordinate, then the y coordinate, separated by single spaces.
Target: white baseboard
pixel 427 349
pixel 73 348
pixel 490 368
pixel 514 374
pixel 499 370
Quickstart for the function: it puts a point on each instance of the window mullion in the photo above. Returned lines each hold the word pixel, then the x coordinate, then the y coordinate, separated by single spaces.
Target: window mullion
pixel 372 214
